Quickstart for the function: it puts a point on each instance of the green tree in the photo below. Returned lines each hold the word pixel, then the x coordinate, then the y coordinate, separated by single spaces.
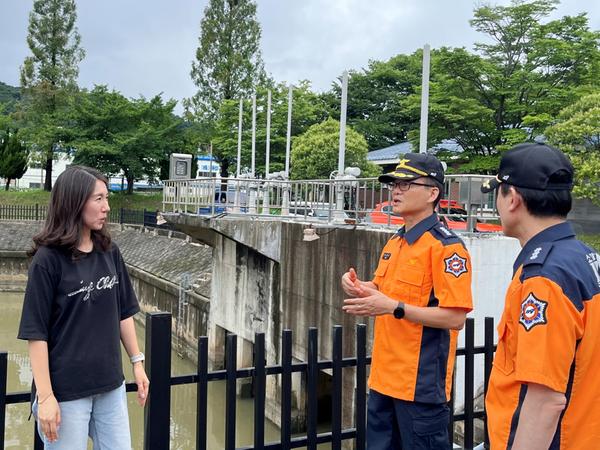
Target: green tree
pixel 6 120
pixel 525 73
pixel 315 153
pixel 9 97
pixel 48 76
pixel 228 59
pixel 118 135
pixel 13 158
pixel 307 109
pixel 577 132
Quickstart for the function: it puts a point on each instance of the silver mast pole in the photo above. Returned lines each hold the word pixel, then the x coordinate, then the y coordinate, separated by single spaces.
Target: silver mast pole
pixel 239 153
pixel 252 166
pixel 424 100
pixel 268 145
pixel 344 107
pixel 289 135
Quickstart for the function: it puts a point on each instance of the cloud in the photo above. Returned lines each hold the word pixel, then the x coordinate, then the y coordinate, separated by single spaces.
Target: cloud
pixel 144 48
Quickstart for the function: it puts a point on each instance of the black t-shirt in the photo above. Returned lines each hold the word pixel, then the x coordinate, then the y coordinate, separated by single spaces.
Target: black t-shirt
pixel 77 306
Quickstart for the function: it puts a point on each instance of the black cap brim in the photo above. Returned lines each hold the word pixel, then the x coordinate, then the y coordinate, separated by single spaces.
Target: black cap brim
pixel 399 175
pixel 490 184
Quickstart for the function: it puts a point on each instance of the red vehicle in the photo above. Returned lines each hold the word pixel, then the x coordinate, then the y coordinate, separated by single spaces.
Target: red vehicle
pixel 454 214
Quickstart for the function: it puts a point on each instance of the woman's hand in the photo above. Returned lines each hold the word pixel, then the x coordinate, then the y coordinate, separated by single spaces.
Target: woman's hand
pixel 49 417
pixel 143 384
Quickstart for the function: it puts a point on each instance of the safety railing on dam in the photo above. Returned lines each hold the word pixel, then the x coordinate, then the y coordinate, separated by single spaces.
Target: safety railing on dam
pixel 342 200
pixel 157 425
pixel 37 212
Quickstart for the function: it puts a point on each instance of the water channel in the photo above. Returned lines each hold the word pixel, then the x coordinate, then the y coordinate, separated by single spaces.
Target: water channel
pixel 19 431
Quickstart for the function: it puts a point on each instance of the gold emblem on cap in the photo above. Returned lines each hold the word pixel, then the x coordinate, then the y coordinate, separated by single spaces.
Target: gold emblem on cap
pixel 403 165
pixel 486 184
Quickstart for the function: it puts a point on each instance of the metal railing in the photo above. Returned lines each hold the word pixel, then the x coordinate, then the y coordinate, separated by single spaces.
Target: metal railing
pixel 38 212
pixel 158 366
pixel 349 200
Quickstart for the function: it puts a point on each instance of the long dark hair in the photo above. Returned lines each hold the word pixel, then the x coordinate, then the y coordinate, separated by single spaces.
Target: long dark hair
pixel 64 222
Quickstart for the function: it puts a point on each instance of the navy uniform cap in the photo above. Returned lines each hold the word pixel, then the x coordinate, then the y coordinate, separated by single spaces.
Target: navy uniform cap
pixel 531 166
pixel 415 165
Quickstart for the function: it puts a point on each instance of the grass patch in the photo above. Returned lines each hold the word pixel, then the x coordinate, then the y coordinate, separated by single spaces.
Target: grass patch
pixel 592 240
pixel 147 200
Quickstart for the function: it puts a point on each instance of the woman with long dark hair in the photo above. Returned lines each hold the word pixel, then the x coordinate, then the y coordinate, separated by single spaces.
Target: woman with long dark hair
pixel 78 308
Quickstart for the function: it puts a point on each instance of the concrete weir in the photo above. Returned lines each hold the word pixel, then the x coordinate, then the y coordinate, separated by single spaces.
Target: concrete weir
pixel 247 274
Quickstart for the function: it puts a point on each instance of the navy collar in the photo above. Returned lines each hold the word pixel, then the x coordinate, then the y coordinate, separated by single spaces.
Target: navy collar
pixel 411 236
pixel 563 230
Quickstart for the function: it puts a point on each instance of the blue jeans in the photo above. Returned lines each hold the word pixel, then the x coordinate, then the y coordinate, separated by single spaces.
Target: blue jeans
pixel 102 417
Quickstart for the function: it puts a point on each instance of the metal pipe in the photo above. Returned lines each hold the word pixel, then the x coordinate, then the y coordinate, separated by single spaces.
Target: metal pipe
pixel 268 144
pixel 253 161
pixel 239 149
pixel 288 140
pixel 424 100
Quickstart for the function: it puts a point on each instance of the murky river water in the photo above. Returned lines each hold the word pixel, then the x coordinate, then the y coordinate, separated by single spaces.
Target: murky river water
pixel 19 432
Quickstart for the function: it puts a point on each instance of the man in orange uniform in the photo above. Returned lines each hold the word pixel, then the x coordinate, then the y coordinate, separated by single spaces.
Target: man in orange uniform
pixel 544 390
pixel 420 294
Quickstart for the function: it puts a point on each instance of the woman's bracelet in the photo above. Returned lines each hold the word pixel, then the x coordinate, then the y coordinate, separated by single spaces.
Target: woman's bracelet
pixel 45 398
pixel 137 358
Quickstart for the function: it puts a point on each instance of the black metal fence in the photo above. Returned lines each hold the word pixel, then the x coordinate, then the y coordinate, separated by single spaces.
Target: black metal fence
pixel 158 366
pixel 124 216
pixel 23 212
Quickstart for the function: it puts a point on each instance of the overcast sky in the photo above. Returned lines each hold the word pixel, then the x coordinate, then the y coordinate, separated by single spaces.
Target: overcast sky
pixel 145 47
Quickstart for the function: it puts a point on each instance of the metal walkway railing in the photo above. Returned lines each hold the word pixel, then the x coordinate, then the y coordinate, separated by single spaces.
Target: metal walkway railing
pixel 347 199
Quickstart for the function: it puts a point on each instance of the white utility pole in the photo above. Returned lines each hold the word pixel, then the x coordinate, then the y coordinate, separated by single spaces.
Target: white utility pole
pixel 344 107
pixel 239 155
pixel 266 187
pixel 252 167
pixel 285 200
pixel 268 145
pixel 338 214
pixel 289 135
pixel 210 171
pixel 424 100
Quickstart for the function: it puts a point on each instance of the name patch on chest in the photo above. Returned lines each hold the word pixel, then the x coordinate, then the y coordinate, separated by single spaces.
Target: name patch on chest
pixel 533 312
pixel 456 265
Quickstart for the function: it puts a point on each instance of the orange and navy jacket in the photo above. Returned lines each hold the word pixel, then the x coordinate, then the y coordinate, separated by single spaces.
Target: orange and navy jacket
pixel 426 266
pixel 549 334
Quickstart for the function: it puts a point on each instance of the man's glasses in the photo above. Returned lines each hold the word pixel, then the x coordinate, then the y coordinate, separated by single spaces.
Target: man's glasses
pixel 405 185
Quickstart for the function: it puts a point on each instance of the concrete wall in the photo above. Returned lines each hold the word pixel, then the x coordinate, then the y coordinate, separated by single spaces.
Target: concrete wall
pixel 585 217
pixel 13 270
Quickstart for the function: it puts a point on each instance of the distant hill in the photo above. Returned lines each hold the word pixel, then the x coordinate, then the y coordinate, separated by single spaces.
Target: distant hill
pixel 9 94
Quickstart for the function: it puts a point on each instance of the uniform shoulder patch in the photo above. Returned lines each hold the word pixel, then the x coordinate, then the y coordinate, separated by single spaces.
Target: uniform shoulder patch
pixel 456 265
pixel 533 312
pixel 443 234
pixel 538 254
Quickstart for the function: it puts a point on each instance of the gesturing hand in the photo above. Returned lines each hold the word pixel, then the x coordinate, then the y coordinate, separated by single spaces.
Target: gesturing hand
pixel 370 302
pixel 351 284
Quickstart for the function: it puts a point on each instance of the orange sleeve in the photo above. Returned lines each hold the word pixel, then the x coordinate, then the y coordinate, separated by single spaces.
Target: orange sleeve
pixel 451 271
pixel 548 328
